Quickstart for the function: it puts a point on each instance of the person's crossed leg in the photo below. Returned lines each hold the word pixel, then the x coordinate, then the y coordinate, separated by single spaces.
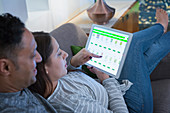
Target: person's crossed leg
pixel 140 62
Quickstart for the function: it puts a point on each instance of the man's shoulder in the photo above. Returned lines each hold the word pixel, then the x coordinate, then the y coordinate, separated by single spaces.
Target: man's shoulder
pixel 20 98
pixel 22 101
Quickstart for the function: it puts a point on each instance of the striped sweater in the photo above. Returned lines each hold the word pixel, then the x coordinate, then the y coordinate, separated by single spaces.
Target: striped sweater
pixel 78 93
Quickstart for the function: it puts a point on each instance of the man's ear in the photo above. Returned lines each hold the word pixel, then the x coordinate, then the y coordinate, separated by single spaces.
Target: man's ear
pixel 4 67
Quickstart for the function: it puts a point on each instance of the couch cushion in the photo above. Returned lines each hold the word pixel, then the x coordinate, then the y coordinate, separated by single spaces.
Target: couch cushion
pixel 162 71
pixel 67 35
pixel 161 96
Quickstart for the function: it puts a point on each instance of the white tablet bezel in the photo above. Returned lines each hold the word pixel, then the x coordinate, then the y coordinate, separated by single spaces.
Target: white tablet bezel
pixel 124 54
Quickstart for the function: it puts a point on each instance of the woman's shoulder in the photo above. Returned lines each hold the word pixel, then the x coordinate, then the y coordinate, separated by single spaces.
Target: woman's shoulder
pixel 65 98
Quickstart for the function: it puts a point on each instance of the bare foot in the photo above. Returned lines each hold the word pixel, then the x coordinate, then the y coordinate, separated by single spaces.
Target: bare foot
pixel 162 18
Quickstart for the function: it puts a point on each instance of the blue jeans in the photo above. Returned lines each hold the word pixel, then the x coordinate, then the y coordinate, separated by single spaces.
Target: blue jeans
pixel 148 47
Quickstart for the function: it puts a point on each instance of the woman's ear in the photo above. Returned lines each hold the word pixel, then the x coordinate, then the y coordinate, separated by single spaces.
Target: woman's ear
pixel 46 69
pixel 4 67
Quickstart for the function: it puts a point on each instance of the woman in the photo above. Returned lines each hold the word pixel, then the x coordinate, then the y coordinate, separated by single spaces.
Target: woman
pixel 76 92
pixel 53 67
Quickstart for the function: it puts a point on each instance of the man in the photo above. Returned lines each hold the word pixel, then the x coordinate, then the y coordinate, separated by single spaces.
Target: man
pixel 18 58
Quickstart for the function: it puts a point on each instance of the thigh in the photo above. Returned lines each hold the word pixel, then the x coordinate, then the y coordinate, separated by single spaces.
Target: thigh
pixel 141 41
pixel 148 36
pixel 139 97
pixel 159 49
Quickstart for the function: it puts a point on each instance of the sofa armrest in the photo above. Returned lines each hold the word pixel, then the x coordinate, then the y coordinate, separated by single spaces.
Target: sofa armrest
pixel 162 71
pixel 161 97
pixel 67 35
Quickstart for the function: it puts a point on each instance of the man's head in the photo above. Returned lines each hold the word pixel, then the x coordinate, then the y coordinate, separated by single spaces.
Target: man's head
pixel 18 55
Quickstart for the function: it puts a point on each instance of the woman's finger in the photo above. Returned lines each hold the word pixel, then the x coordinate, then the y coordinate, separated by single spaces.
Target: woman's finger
pixel 96 56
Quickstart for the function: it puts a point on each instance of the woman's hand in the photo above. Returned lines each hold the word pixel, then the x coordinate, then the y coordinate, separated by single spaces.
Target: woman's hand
pixel 82 57
pixel 101 75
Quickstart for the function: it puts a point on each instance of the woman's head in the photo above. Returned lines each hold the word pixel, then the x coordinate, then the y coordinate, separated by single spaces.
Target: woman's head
pixel 52 67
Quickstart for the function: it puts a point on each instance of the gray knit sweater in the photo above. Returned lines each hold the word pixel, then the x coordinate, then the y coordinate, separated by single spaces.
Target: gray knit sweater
pixel 24 102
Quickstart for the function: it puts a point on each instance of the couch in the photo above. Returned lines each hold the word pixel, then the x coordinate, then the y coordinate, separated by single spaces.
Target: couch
pixel 160 78
pixel 70 34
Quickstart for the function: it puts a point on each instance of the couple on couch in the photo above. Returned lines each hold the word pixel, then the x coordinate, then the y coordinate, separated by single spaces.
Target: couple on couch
pixel 75 91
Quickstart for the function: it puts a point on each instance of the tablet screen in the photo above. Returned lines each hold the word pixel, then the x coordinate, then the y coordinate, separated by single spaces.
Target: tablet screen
pixel 112 45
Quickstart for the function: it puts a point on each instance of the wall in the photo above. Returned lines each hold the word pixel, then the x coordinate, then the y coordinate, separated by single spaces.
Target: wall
pixel 58 12
pixel 44 15
pixel 1 7
pixel 14 7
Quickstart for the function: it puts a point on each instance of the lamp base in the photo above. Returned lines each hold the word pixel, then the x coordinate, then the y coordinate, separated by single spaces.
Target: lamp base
pixel 100 13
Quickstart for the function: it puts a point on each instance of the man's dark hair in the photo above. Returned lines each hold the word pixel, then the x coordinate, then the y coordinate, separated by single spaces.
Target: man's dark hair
pixel 11 31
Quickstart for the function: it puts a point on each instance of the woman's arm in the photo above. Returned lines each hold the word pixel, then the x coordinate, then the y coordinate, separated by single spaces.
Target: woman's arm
pixel 79 102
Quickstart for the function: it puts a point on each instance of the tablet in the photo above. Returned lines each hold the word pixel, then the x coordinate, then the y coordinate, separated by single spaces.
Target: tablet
pixel 112 45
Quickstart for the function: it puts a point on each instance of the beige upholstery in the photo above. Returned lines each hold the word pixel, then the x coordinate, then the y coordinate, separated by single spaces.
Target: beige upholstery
pixel 67 35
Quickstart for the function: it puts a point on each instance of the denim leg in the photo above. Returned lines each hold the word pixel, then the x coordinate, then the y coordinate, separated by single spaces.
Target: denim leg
pixel 139 97
pixel 157 51
pixel 149 35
